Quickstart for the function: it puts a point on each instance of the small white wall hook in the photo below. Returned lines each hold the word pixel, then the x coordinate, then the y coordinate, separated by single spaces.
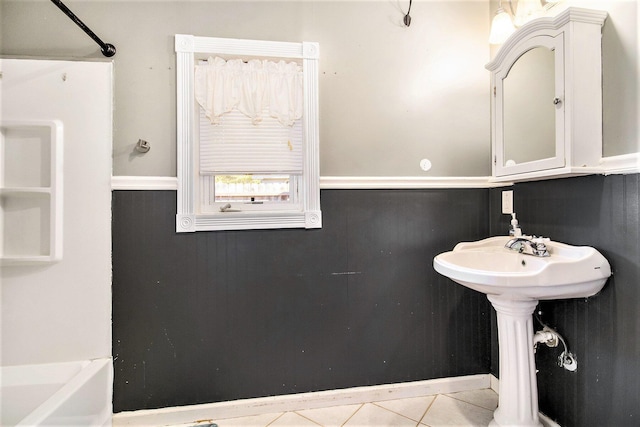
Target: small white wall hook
pixel 143 146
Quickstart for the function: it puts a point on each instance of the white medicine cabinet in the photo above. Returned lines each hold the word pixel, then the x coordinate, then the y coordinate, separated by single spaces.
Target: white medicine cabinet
pixel 30 191
pixel 546 101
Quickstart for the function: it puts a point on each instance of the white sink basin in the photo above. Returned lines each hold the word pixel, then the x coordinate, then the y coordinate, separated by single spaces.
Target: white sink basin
pixel 514 282
pixel 487 266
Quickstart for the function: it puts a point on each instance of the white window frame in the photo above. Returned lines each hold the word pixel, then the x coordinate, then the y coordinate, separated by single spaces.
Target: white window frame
pixel 188 218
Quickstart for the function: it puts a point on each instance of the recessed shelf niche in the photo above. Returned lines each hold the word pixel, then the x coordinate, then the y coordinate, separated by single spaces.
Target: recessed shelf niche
pixel 30 191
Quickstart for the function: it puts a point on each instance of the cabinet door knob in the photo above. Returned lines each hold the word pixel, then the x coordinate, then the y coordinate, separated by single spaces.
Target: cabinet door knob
pixel 557 101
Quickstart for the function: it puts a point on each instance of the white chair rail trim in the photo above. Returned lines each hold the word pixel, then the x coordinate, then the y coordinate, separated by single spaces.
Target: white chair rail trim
pixel 327 182
pixel 405 182
pixel 622 164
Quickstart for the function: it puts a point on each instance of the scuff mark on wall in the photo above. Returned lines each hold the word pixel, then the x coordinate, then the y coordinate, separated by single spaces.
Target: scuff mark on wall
pixel 170 342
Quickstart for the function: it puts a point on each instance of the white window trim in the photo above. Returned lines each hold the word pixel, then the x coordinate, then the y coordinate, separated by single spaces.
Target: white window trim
pixel 187 218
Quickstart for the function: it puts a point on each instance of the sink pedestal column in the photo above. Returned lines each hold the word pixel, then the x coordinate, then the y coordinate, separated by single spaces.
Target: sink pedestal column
pixel 518 390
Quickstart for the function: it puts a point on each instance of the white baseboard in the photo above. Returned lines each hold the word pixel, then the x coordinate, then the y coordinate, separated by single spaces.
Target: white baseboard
pixel 494 383
pixel 301 401
pixel 546 421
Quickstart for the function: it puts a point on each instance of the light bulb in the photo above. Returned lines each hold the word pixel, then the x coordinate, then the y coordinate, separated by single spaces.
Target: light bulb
pixel 526 11
pixel 501 27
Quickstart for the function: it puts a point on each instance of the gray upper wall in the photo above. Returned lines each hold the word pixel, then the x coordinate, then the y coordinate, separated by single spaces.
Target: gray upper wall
pixel 389 95
pixel 621 77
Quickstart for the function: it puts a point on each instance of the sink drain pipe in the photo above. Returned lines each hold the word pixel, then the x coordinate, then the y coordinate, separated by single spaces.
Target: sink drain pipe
pixel 550 338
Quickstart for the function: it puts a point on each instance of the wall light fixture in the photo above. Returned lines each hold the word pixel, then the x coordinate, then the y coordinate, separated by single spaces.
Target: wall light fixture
pixel 501 26
pixel 505 22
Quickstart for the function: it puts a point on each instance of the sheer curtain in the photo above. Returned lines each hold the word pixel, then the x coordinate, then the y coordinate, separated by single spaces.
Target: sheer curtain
pixel 254 88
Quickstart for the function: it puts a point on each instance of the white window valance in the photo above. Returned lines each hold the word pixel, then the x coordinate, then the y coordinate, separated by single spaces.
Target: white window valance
pixel 250 87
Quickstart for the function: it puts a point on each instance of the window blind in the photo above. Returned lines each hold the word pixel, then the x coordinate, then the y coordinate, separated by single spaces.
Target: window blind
pixel 237 146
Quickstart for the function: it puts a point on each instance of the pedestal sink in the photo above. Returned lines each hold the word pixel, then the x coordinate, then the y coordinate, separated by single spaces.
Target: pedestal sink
pixel 514 283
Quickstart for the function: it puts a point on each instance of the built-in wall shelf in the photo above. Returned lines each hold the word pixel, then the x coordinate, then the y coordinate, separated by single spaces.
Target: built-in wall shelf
pixel 30 191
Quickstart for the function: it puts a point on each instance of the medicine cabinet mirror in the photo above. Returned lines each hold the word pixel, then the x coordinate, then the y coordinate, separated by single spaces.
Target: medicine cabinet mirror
pixel 529 113
pixel 547 98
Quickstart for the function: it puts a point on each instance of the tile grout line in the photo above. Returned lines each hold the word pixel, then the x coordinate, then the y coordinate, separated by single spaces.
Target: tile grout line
pixel 392 411
pixel 352 415
pixel 470 403
pixel 428 408
pixel 307 418
pixel 276 419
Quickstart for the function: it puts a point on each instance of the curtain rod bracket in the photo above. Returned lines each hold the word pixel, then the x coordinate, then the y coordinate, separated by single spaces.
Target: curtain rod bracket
pixel 107 49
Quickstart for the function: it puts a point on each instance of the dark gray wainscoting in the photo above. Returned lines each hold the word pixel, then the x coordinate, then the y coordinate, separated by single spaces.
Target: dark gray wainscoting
pixel 604 330
pixel 217 316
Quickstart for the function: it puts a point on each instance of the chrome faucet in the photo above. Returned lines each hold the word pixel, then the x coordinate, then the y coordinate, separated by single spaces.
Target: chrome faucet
pixel 528 245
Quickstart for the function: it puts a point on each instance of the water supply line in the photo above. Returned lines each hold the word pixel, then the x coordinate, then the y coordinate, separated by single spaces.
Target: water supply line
pixel 107 49
pixel 546 336
pixel 550 338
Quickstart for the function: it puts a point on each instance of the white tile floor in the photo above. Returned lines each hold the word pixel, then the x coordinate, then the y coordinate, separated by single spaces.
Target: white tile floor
pixel 469 408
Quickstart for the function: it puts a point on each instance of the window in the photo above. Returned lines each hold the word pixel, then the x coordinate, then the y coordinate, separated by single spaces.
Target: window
pixel 243 172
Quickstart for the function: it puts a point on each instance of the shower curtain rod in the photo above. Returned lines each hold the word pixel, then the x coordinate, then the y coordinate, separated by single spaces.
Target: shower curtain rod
pixel 107 49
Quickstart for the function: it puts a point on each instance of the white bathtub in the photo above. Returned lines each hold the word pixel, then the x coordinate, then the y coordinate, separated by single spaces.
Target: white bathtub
pixel 57 394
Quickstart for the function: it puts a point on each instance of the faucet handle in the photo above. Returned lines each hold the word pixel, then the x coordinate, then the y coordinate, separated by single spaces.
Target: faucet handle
pixel 540 239
pixel 540 246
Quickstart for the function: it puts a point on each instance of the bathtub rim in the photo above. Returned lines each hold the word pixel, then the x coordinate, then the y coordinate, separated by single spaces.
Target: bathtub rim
pixel 88 369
